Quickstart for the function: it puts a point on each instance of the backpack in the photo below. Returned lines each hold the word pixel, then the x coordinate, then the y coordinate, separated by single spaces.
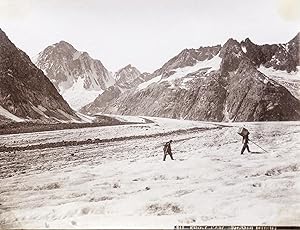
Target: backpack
pixel 243 132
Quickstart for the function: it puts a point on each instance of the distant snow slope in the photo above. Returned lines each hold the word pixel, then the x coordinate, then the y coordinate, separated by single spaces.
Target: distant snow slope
pixel 149 82
pixel 126 184
pixel 289 80
pixel 207 65
pixel 186 73
pixel 77 96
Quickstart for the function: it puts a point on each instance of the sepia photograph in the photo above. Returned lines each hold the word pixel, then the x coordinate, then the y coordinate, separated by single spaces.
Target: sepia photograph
pixel 150 114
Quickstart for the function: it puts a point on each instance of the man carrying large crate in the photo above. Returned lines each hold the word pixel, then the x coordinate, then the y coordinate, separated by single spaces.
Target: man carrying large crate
pixel 245 134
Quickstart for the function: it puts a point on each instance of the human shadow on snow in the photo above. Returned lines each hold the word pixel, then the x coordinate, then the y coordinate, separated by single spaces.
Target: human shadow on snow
pixel 257 152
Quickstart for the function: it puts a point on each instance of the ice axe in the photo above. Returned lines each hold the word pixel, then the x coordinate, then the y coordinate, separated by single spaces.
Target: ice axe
pixel 258 146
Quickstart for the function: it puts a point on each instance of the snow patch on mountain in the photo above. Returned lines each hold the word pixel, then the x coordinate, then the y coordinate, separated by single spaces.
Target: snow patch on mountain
pixel 227 114
pixel 40 110
pixel 271 72
pixel 77 96
pixel 291 80
pixel 207 66
pixel 244 49
pixel 8 115
pixel 186 73
pixel 147 83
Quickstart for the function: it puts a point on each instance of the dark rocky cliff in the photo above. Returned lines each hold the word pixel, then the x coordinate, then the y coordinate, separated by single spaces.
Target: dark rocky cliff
pixel 24 89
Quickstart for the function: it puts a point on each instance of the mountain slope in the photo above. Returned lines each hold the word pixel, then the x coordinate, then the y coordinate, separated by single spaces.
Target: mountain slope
pixel 187 57
pixel 219 83
pixel 77 77
pixel 289 79
pixel 126 78
pixel 25 92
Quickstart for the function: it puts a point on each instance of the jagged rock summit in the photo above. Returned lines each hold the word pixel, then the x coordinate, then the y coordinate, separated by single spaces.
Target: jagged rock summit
pixel 239 81
pixel 78 77
pixel 128 77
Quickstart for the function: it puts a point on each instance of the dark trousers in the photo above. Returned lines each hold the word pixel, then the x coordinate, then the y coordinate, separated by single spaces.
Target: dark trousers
pixel 165 155
pixel 245 146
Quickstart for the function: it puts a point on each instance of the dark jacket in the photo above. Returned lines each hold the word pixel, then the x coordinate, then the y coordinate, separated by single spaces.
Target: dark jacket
pixel 246 139
pixel 167 148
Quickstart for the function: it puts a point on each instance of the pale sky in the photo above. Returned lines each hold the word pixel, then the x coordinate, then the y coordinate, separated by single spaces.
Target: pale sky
pixel 145 33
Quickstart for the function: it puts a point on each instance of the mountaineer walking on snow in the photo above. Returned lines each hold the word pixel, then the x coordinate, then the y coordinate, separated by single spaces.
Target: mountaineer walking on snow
pixel 245 142
pixel 167 150
pixel 245 134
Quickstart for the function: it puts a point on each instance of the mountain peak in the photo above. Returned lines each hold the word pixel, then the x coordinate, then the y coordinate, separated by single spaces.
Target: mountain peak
pixel 70 69
pixel 231 54
pixel 62 42
pixel 128 68
pixel 231 42
pixel 248 41
pixel 128 77
pixel 231 46
pixel 64 45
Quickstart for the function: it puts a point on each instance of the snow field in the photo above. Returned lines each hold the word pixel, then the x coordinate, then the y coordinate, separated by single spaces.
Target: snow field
pixel 127 185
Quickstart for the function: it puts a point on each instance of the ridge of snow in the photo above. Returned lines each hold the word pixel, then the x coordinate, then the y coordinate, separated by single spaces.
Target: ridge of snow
pixel 271 72
pixel 38 110
pixel 147 83
pixel 207 65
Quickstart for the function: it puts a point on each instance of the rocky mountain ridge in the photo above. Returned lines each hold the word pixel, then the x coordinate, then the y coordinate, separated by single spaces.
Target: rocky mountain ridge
pixel 127 78
pixel 25 92
pixel 219 83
